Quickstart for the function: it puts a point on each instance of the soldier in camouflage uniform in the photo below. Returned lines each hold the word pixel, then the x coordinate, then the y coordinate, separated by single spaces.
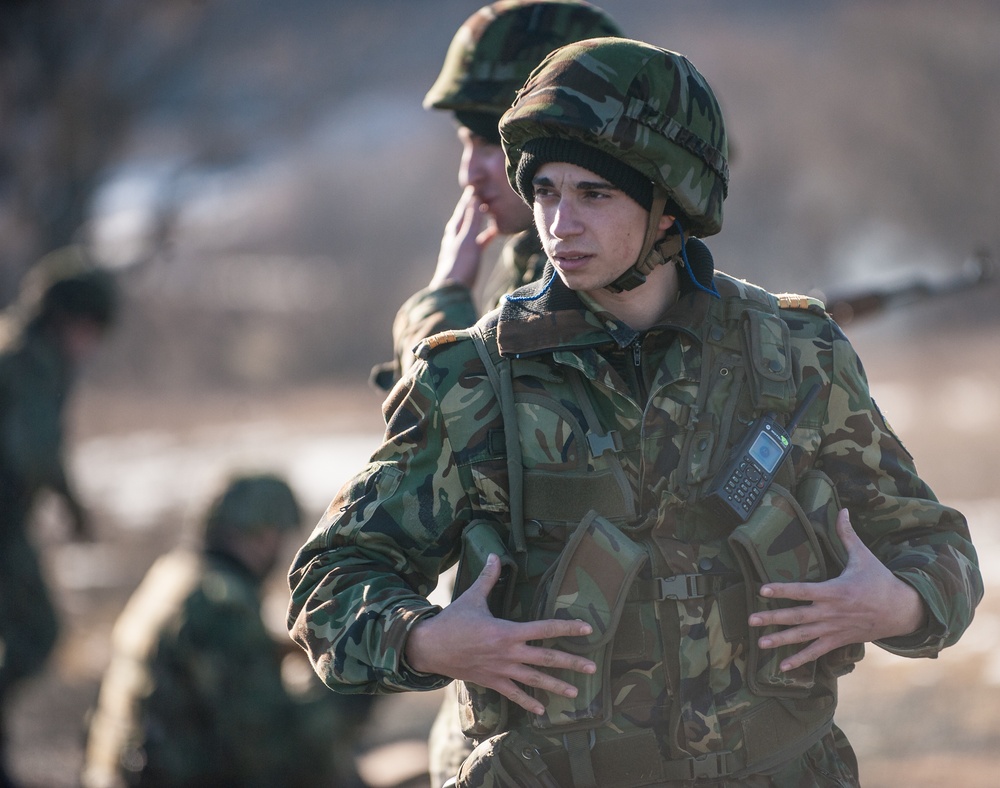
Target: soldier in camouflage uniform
pixel 613 625
pixel 193 695
pixel 489 58
pixel 63 311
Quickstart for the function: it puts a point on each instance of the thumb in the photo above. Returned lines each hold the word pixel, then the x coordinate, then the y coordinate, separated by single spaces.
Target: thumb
pixel 852 542
pixel 487 578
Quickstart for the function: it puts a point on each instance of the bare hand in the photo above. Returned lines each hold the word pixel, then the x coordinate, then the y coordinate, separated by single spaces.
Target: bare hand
pixel 866 602
pixel 464 641
pixel 466 235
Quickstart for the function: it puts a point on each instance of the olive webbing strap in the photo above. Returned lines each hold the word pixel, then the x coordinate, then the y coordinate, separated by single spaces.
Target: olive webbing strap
pixel 581 767
pixel 498 371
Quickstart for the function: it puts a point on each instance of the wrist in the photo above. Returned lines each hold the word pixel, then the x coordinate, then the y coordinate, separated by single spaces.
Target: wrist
pixel 416 652
pixel 913 615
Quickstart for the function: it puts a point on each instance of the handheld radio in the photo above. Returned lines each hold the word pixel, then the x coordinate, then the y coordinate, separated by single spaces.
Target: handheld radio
pixel 750 469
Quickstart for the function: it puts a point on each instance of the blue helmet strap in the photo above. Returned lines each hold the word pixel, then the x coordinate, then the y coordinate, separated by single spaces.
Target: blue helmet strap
pixel 703 250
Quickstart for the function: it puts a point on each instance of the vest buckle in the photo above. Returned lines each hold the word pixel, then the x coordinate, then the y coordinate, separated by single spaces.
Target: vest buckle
pixel 680 587
pixel 602 443
pixel 713 764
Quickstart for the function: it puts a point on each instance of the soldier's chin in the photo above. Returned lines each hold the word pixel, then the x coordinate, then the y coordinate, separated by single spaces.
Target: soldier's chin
pixel 509 220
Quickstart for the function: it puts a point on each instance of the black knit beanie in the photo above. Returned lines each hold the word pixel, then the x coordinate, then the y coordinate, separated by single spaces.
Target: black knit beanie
pixel 482 124
pixel 542 150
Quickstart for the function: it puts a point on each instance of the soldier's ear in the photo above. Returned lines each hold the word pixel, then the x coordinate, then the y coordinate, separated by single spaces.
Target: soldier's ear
pixel 666 222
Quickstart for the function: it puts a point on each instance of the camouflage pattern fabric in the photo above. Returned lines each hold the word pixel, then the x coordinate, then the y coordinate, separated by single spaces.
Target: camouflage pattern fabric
pixel 498 46
pixel 678 397
pixel 647 107
pixel 433 310
pixel 34 384
pixel 193 694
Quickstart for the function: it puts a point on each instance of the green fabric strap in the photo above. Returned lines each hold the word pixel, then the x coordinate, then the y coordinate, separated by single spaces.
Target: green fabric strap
pixel 581 766
pixel 498 371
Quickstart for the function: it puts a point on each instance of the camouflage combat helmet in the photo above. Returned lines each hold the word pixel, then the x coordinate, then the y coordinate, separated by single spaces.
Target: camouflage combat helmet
pixel 647 107
pixel 496 49
pixel 252 502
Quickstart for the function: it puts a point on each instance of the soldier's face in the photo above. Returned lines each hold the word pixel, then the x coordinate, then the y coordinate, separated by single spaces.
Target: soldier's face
pixel 79 339
pixel 591 230
pixel 485 170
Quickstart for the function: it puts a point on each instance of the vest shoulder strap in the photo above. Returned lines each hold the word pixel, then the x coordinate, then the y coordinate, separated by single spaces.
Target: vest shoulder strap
pixel 499 374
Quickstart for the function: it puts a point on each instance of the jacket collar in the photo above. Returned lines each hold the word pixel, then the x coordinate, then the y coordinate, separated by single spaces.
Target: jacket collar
pixel 557 318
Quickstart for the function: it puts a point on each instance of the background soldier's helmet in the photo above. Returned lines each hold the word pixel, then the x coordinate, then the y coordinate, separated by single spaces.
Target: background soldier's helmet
pixel 250 503
pixel 66 284
pixel 496 49
pixel 647 107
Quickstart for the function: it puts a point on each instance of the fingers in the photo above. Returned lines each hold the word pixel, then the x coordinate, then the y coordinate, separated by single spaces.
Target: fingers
pixel 466 211
pixel 487 235
pixel 523 675
pixel 785 616
pixel 810 653
pixel 467 217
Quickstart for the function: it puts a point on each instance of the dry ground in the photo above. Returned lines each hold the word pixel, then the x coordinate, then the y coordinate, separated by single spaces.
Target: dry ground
pixel 147 465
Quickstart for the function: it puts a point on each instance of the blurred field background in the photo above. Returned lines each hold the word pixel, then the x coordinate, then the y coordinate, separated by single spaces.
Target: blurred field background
pixel 264 178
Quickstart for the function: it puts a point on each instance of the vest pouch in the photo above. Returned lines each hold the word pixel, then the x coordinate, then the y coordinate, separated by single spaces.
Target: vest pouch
pixel 591 581
pixel 819 500
pixel 484 711
pixel 502 761
pixel 777 544
pixel 479 539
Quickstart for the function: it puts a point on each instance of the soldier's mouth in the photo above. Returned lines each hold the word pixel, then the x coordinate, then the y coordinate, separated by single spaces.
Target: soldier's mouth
pixel 568 261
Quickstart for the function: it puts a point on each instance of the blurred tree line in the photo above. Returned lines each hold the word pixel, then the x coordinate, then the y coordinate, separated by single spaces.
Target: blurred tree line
pixel 266 181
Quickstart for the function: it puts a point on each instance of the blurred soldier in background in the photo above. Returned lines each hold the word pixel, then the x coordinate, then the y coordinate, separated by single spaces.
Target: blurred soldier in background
pixel 487 62
pixel 64 310
pixel 193 695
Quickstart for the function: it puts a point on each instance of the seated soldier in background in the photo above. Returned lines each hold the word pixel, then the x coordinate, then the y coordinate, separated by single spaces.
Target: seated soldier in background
pixel 64 310
pixel 193 695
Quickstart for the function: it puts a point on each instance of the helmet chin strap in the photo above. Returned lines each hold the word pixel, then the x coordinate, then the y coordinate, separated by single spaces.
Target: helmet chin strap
pixel 652 253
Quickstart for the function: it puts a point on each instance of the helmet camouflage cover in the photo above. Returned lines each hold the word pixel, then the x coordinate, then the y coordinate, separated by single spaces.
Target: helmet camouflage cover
pixel 496 49
pixel 252 502
pixel 648 107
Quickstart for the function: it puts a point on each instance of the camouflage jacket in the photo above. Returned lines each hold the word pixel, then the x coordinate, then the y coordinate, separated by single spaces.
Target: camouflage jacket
pixel 193 693
pixel 633 427
pixel 433 310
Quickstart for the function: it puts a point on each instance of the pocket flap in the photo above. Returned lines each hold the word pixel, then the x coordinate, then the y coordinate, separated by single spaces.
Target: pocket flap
pixel 592 580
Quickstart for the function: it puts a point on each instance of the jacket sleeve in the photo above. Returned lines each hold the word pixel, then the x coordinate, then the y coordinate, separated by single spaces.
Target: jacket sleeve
pixel 361 580
pixel 427 312
pixel 922 541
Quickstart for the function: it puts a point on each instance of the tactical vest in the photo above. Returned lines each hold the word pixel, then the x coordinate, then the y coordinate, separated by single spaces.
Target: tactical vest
pixel 577 544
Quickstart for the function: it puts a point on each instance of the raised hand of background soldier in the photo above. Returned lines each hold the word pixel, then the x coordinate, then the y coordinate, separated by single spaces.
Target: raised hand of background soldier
pixel 866 602
pixel 465 641
pixel 466 235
